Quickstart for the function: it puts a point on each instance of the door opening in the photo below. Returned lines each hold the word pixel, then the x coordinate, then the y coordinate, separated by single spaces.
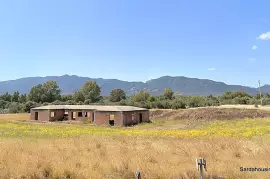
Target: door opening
pixel 73 114
pixel 66 115
pixel 111 122
pixel 93 116
pixel 141 118
pixel 36 116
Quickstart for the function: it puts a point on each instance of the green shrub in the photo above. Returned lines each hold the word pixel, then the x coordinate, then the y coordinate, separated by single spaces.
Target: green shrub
pixel 163 104
pixel 178 104
pixel 14 107
pixel 196 101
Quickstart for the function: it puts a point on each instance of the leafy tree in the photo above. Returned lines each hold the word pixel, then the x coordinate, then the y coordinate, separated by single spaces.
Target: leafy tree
pixel 142 104
pixel 91 91
pixel 28 105
pixel 141 96
pixel 15 97
pixel 153 105
pixel 52 91
pixel 70 102
pixel 123 102
pixel 36 94
pixel 66 97
pixel 78 96
pixel 152 99
pixel 58 102
pixel 14 107
pixel 48 92
pixel 7 104
pixel 23 98
pixel 168 94
pixel 117 95
pixel 88 101
pixel 6 97
pixel 2 104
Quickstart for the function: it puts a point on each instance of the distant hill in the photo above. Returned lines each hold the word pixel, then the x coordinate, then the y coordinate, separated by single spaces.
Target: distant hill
pixel 181 85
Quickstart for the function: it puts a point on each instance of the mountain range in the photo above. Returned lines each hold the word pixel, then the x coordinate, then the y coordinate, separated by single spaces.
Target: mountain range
pixel 180 85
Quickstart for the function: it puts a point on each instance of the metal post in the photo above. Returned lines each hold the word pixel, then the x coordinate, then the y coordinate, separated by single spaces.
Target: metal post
pixel 138 175
pixel 200 165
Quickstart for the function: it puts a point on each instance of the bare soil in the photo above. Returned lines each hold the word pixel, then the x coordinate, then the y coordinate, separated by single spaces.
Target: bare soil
pixel 209 114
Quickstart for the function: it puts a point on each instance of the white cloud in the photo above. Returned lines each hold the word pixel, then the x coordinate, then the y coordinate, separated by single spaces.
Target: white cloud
pixel 211 69
pixel 254 47
pixel 265 36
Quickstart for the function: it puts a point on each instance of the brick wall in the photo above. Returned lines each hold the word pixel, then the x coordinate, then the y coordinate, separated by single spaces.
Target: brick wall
pixel 58 114
pixel 133 117
pixel 102 118
pixel 76 115
pixel 43 115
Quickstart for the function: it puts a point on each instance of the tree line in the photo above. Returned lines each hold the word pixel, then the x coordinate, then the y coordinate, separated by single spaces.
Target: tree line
pixel 90 93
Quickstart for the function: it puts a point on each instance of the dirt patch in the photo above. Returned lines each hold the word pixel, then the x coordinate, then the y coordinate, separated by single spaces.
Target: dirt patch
pixel 209 114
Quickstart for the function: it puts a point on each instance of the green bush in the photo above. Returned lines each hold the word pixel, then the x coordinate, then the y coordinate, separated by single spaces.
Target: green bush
pixel 14 107
pixel 241 100
pixel 196 101
pixel 178 104
pixel 266 101
pixel 165 104
pixel 153 105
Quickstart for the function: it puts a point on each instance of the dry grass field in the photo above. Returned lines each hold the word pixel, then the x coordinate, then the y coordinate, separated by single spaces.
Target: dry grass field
pixel 159 150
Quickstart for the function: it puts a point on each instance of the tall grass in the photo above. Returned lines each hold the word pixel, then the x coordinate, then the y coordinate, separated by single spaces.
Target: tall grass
pixel 77 151
pixel 120 157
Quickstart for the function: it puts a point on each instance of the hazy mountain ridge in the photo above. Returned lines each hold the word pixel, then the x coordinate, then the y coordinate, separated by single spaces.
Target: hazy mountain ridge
pixel 181 85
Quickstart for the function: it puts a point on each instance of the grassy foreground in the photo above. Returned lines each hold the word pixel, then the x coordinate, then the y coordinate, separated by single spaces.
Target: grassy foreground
pixel 30 150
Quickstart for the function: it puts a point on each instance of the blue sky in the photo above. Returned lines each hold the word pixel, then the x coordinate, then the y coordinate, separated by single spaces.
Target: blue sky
pixel 136 40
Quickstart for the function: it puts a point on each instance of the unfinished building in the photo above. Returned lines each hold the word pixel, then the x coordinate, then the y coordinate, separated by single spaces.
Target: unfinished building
pixel 99 115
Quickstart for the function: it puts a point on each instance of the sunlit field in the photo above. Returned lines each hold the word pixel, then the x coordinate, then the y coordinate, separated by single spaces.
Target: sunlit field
pixel 157 150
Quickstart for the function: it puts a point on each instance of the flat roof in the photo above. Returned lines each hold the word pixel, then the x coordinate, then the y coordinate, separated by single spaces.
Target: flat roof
pixel 90 107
